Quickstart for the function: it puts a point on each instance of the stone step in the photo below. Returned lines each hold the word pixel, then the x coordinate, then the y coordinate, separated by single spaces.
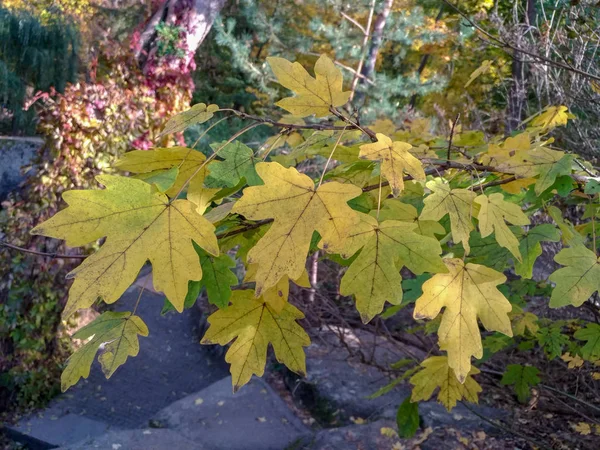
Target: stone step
pixel 253 418
pixel 45 431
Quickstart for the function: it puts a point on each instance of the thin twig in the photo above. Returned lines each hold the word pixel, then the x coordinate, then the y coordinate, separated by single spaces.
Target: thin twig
pixel 34 252
pixel 452 134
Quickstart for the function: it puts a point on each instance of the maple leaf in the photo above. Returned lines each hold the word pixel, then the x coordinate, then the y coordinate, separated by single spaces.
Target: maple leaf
pixel 238 162
pixel 217 277
pixel 467 292
pixel 523 321
pixel 573 361
pixel 522 378
pixel 483 68
pixel 457 203
pixel 436 373
pixel 552 340
pixel 541 162
pixel 492 214
pixel 254 325
pixel 552 117
pixel 531 248
pixel 277 296
pixel 313 95
pixel 395 160
pixel 590 334
pixel 374 276
pixel 578 281
pixel 394 209
pixel 199 113
pixel 298 209
pixel 148 163
pixel 120 330
pixel 139 225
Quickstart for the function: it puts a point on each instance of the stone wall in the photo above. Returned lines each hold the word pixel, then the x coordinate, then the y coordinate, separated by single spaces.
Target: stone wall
pixel 15 152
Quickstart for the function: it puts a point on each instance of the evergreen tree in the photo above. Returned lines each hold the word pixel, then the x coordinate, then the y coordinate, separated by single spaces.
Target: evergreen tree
pixel 33 56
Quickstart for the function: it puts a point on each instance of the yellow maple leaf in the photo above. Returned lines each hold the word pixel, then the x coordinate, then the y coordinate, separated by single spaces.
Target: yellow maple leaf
pixel 120 330
pixel 374 276
pixel 494 210
pixel 298 209
pixel 254 325
pixel 139 225
pixel 457 203
pixel 313 95
pixel 523 321
pixel 394 209
pixel 277 296
pixel 187 160
pixel 466 292
pixel 572 361
pixel 395 160
pixel 497 154
pixel 578 281
pixel 552 117
pixel 583 428
pixel 436 373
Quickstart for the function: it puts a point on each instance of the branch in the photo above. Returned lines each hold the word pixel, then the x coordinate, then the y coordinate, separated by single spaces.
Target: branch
pixel 289 126
pixel 34 252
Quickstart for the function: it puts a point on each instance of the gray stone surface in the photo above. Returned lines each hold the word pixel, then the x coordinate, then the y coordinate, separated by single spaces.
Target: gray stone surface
pixel 344 381
pixel 253 418
pixel 60 430
pixel 15 152
pixel 356 437
pixel 171 365
pixel 147 439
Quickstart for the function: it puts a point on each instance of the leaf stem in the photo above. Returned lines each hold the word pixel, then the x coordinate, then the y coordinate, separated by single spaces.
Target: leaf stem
pixel 331 156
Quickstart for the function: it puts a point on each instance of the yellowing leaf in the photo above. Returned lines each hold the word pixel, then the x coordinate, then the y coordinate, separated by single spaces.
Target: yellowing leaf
pixel 395 160
pixel 120 330
pixel 436 373
pixel 148 162
pixel 466 292
pixel 483 68
pixel 583 428
pixel 457 203
pixel 254 325
pixel 578 281
pixel 552 117
pixel 199 113
pixel 298 209
pixel 374 276
pixel 492 214
pixel 541 162
pixel 313 95
pixel 515 187
pixel 139 225
pixel 277 296
pixel 524 321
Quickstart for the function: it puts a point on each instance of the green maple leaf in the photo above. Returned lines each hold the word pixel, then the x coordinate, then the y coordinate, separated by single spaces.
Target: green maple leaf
pixel 552 340
pixel 120 330
pixel 374 278
pixel 578 281
pixel 238 162
pixel 531 248
pixel 217 278
pixel 591 334
pixel 523 378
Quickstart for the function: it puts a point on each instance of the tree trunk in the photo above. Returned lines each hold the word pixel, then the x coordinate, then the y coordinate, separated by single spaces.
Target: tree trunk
pixel 377 40
pixel 194 17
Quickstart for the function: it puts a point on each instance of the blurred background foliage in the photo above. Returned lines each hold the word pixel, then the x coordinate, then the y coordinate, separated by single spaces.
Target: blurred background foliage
pixel 97 78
